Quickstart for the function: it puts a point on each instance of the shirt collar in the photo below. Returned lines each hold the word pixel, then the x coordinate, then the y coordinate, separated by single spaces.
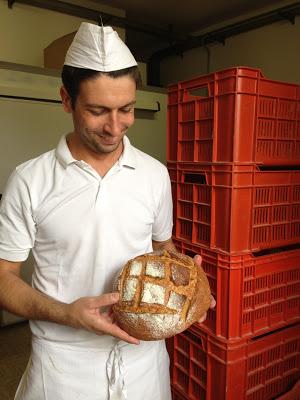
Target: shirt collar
pixel 127 157
pixel 64 155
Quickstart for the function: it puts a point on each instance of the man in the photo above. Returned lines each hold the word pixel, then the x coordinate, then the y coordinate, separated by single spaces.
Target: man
pixel 84 209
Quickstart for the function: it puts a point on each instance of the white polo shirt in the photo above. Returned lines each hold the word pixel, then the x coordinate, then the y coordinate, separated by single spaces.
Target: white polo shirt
pixel 82 228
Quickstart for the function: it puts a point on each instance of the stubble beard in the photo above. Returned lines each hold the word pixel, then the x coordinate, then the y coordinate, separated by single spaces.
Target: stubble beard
pixel 93 142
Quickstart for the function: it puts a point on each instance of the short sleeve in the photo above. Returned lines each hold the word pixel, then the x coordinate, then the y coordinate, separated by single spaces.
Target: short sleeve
pixel 17 227
pixel 163 223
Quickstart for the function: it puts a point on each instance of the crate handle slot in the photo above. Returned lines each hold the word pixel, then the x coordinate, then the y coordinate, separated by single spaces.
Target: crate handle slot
pixel 197 92
pixel 278 167
pixel 202 91
pixel 275 331
pixel 276 250
pixel 200 179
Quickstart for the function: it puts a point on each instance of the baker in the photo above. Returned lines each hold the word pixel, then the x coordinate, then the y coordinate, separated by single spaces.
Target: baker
pixel 84 209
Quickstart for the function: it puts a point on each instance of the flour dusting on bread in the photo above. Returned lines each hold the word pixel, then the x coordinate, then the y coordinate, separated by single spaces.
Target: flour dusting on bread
pixel 161 295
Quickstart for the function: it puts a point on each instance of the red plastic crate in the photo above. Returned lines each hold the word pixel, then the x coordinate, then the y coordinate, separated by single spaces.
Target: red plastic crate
pixel 237 208
pixel 241 117
pixel 177 396
pixel 178 244
pixel 254 295
pixel 293 394
pixel 172 168
pixel 207 368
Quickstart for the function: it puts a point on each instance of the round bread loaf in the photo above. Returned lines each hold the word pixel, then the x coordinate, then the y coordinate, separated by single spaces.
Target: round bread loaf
pixel 161 294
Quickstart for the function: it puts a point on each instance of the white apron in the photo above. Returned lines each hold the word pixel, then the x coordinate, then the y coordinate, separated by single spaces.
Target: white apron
pixel 120 372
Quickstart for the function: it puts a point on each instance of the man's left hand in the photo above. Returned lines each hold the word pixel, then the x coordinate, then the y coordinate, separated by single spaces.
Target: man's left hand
pixel 198 261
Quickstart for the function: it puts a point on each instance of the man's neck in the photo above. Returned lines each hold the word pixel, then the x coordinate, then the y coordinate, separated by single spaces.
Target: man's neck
pixel 100 162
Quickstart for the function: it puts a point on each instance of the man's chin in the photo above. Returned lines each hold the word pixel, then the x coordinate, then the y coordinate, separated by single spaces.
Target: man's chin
pixel 106 148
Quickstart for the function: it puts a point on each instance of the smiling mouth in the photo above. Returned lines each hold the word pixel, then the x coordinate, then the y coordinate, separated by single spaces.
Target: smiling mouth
pixel 110 140
pixel 106 139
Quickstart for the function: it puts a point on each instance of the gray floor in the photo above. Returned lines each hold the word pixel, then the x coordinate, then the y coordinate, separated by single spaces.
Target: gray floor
pixel 14 354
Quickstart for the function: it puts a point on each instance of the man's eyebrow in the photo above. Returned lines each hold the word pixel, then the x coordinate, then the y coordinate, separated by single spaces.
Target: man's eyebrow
pixel 91 105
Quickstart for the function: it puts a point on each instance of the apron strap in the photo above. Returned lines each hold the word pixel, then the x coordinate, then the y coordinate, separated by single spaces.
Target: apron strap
pixel 115 374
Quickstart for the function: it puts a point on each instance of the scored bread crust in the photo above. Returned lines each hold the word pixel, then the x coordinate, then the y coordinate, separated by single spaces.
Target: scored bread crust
pixel 161 294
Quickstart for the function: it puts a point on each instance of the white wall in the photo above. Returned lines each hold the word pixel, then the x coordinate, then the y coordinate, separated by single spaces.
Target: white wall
pixel 275 49
pixel 25 31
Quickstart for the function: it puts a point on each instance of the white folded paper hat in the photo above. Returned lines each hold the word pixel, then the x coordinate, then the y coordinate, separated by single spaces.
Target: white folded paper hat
pixel 98 48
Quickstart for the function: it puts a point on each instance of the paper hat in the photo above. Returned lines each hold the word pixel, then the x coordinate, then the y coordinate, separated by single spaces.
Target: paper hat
pixel 98 48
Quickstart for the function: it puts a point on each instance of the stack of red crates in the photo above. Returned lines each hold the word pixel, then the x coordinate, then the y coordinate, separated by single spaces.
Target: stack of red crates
pixel 233 154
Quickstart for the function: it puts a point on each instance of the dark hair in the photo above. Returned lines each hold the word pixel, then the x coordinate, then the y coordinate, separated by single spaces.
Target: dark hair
pixel 72 77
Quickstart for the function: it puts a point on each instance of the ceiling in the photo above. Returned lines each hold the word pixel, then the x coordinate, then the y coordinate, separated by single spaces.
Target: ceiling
pixel 156 29
pixel 181 17
pixel 189 15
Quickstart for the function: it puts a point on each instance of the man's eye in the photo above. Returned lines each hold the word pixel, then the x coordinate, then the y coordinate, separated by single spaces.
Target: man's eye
pixel 127 109
pixel 96 113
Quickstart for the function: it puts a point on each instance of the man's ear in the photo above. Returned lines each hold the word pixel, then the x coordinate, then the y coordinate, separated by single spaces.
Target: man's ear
pixel 66 100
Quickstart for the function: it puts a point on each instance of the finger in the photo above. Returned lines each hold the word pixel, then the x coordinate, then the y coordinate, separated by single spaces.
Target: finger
pixel 106 299
pixel 107 317
pixel 198 259
pixel 212 302
pixel 115 331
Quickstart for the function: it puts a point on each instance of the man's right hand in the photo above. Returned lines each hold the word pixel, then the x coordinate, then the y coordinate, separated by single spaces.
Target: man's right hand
pixel 87 313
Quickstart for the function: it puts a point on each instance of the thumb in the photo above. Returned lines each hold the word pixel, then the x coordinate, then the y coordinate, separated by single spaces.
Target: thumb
pixel 106 299
pixel 198 259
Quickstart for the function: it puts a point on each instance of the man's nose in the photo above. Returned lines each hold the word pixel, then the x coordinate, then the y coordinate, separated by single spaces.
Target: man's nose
pixel 113 124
